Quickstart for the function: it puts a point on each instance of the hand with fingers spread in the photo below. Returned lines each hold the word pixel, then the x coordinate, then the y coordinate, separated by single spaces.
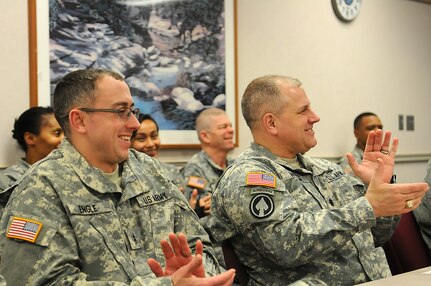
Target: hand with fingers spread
pixel 393 199
pixel 183 267
pixel 377 147
pixel 176 256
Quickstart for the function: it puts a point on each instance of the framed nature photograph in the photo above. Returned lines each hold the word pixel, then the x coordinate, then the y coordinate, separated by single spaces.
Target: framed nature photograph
pixel 177 56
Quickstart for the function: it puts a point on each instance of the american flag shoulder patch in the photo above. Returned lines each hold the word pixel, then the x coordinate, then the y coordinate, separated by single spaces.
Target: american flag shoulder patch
pixel 24 229
pixel 196 182
pixel 260 179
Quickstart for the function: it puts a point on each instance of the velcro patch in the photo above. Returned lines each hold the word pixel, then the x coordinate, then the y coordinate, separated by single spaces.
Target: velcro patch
pixel 196 182
pixel 25 229
pixel 261 206
pixel 260 179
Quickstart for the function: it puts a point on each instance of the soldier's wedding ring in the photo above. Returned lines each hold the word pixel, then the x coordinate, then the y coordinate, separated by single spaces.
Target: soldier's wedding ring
pixel 383 151
pixel 409 204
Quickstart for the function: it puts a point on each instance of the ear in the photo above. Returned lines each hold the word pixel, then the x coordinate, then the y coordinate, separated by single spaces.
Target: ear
pixel 29 138
pixel 356 132
pixel 77 121
pixel 203 135
pixel 269 122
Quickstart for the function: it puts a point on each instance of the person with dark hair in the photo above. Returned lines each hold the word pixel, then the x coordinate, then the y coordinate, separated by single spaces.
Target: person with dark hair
pixel 289 216
pixel 37 133
pixel 147 140
pixel 362 125
pixel 94 211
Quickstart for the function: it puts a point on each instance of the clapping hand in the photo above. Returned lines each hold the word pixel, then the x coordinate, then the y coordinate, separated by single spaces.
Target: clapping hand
pixel 377 147
pixel 184 268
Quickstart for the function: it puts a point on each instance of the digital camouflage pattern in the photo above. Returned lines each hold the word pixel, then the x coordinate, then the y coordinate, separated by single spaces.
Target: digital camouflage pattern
pixel 9 176
pixel 314 222
pixel 93 230
pixel 423 212
pixel 358 154
pixel 173 173
pixel 14 172
pixel 200 165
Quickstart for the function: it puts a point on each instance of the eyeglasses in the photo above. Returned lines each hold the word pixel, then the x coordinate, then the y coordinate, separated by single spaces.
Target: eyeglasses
pixel 123 113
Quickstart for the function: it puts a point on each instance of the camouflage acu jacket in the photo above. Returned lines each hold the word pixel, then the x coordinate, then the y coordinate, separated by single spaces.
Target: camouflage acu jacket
pixel 289 223
pixel 200 166
pixel 9 176
pixel 79 226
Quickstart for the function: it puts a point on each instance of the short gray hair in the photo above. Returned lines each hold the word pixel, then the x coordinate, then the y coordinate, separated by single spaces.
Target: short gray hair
pixel 204 119
pixel 263 95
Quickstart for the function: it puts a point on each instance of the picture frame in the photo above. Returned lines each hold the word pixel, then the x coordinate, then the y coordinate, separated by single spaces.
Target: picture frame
pixel 178 77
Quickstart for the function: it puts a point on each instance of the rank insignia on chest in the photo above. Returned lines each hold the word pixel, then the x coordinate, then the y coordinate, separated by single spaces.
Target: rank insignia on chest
pixel 24 229
pixel 260 179
pixel 196 182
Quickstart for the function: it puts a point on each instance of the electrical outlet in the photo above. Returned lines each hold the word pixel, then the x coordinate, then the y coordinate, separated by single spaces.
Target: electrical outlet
pixel 400 122
pixel 410 122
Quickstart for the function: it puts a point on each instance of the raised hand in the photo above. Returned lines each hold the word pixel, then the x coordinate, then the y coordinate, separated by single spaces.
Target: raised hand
pixel 193 199
pixel 377 147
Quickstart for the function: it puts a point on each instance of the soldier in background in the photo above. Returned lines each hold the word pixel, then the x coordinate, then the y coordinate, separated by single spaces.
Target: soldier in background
pixel 202 171
pixel 362 125
pixel 147 140
pixel 38 133
pixel 289 216
pixel 94 211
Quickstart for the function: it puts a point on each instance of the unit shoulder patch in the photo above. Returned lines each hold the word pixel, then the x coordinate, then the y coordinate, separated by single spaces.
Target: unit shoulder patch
pixel 260 179
pixel 24 229
pixel 261 206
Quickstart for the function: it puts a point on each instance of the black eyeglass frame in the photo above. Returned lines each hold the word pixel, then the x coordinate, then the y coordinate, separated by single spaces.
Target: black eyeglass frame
pixel 119 111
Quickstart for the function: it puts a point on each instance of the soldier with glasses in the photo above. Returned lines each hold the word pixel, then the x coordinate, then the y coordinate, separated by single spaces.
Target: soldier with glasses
pixel 94 210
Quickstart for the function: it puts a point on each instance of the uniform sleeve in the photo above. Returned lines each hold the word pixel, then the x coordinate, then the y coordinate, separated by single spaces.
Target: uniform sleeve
pixel 5 182
pixel 384 229
pixel 275 224
pixel 191 174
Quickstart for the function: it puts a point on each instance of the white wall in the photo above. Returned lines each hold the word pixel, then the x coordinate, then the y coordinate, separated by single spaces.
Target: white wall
pixel 380 62
pixel 14 79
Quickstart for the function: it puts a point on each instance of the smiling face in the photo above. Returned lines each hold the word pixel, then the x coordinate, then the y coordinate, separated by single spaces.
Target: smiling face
pixel 294 124
pixel 48 139
pixel 220 134
pixel 107 135
pixel 147 138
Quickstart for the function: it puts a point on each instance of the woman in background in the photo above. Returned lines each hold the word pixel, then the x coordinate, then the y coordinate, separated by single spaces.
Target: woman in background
pixel 146 139
pixel 37 133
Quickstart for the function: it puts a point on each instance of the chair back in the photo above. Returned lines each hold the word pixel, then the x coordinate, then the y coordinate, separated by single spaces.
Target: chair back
pixel 406 250
pixel 232 261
